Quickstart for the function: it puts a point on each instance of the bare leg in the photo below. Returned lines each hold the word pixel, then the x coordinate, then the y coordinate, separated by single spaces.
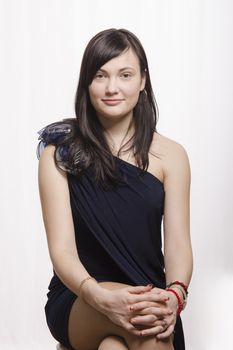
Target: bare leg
pixel 88 328
pixel 113 342
pixel 149 343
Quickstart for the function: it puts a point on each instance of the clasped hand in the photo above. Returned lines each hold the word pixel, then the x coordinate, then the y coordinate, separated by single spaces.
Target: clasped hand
pixel 143 310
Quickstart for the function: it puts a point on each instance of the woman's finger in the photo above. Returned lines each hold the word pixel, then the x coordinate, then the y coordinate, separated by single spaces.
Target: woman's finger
pixel 142 320
pixel 152 310
pixel 148 321
pixel 139 289
pixel 152 331
pixel 131 329
pixel 147 296
pixel 144 305
pixel 158 311
pixel 135 330
pixel 167 332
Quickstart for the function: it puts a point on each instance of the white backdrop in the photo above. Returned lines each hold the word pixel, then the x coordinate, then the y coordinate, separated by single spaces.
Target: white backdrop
pixel 189 48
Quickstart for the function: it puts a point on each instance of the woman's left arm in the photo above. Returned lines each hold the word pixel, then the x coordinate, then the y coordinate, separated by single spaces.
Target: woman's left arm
pixel 176 222
pixel 178 256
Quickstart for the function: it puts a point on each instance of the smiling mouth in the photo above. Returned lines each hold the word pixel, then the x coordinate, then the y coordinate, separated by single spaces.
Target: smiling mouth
pixel 111 102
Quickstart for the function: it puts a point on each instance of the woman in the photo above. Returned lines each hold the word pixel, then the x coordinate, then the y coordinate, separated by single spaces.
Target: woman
pixel 107 178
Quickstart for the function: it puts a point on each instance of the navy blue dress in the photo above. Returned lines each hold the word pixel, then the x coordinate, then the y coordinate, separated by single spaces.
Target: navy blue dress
pixel 118 236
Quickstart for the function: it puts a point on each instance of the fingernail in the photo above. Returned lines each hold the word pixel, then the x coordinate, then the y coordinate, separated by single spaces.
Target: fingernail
pixel 150 285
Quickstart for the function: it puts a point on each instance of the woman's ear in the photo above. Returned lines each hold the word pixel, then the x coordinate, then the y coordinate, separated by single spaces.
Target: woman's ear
pixel 143 82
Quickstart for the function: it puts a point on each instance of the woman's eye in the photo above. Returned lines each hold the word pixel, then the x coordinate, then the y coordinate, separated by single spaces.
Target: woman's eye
pixel 99 76
pixel 126 75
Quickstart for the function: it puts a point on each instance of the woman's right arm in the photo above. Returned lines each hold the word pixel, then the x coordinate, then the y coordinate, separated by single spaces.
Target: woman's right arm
pixel 59 227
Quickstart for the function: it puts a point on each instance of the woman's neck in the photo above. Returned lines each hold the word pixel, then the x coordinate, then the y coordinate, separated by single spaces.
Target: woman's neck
pixel 119 132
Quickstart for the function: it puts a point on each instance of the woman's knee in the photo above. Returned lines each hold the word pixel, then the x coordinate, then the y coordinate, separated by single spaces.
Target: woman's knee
pixel 88 327
pixel 148 343
pixel 113 342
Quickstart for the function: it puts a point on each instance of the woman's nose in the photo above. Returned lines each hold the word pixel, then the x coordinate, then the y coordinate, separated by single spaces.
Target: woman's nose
pixel 111 86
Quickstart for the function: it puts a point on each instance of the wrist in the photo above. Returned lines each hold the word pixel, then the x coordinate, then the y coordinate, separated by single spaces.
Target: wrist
pixel 181 289
pixel 182 295
pixel 93 294
pixel 178 291
pixel 176 299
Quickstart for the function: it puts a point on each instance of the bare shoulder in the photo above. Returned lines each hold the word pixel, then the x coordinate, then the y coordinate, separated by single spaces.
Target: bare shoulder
pixel 46 161
pixel 47 154
pixel 48 170
pixel 172 154
pixel 166 146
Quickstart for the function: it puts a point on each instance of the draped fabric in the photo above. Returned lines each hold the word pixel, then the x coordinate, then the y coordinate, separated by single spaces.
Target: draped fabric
pixel 118 236
pixel 122 225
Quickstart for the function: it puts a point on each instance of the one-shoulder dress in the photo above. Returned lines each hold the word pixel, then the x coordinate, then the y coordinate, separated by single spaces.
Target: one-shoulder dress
pixel 118 236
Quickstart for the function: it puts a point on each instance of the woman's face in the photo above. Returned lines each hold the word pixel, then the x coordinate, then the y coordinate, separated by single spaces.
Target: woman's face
pixel 115 89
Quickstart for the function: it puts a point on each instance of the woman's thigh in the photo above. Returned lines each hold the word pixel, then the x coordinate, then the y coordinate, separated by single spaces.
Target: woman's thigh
pixel 89 327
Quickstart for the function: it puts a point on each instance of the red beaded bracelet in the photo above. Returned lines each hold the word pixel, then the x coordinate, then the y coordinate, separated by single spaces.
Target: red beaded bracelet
pixel 179 283
pixel 180 307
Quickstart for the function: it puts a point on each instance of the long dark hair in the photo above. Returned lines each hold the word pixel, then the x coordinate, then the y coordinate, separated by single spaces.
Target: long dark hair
pixel 90 147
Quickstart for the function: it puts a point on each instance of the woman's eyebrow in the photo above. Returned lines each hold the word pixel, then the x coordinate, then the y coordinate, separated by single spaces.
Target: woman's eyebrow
pixel 126 68
pixel 120 70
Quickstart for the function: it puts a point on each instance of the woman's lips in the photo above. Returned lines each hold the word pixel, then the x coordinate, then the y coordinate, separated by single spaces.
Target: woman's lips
pixel 112 102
